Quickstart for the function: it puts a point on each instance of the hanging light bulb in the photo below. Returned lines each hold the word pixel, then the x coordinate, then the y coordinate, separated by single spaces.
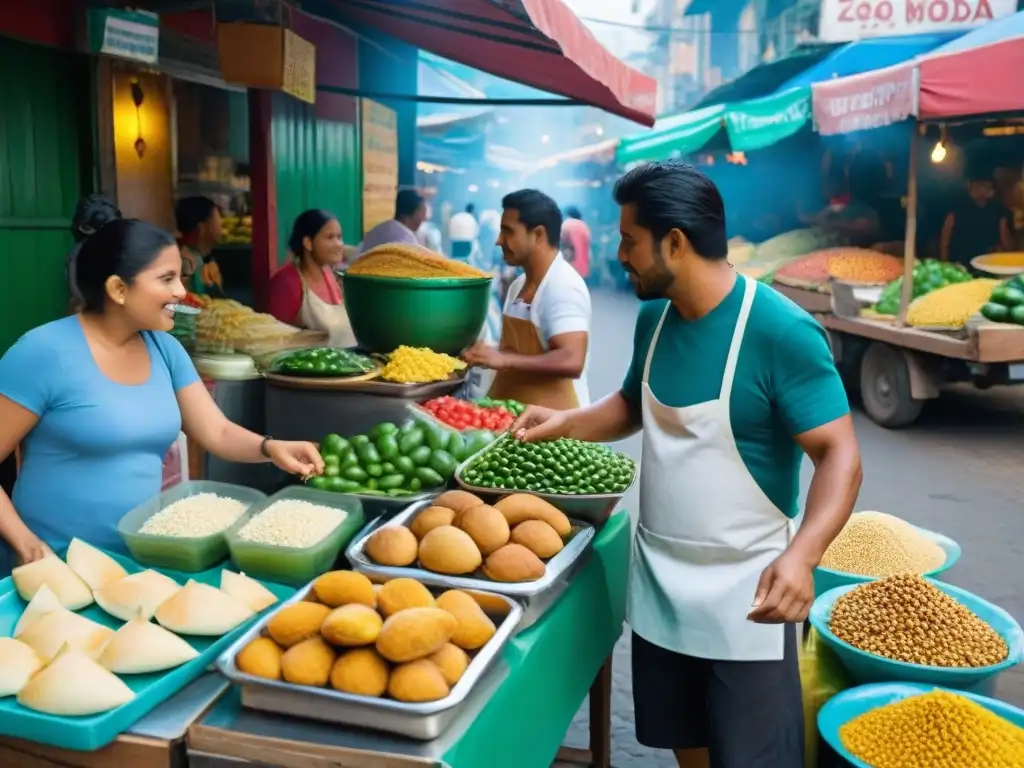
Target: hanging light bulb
pixel 939 152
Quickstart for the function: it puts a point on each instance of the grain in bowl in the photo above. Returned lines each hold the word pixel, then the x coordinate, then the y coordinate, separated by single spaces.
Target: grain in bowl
pixel 193 517
pixel 292 523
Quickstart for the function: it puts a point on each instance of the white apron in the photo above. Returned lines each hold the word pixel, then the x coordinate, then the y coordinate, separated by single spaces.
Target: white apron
pixel 318 315
pixel 706 529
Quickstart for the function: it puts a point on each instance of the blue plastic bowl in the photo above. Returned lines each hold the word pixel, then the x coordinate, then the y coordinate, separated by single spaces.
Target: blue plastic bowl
pixel 870 668
pixel 845 706
pixel 827 578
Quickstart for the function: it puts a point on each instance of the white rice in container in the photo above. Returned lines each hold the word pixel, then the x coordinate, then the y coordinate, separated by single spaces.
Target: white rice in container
pixel 292 523
pixel 195 516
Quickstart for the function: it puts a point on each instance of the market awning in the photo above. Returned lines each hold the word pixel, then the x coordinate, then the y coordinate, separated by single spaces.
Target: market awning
pixel 674 135
pixel 435 81
pixel 540 43
pixel 979 73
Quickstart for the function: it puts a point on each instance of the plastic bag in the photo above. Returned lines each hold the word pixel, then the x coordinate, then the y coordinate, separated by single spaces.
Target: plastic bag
pixel 822 676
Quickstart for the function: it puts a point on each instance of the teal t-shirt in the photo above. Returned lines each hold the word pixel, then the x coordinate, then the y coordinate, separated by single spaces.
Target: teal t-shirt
pixel 786 381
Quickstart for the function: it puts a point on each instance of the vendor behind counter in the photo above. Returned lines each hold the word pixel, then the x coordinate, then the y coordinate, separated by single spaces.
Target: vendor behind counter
pixel 977 225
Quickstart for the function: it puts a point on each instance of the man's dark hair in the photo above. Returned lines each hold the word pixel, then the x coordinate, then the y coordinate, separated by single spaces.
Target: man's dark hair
pixel 536 210
pixel 407 203
pixel 191 212
pixel 671 194
pixel 572 212
pixel 470 208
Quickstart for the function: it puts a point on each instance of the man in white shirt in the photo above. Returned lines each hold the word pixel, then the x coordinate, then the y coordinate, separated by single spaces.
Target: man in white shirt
pixel 410 212
pixel 542 356
pixel 463 231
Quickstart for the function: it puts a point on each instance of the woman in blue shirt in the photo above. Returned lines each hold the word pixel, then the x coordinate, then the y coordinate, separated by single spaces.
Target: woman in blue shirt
pixel 96 399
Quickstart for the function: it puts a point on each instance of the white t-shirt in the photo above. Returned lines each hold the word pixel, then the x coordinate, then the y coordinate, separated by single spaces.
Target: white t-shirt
pixel 561 305
pixel 463 227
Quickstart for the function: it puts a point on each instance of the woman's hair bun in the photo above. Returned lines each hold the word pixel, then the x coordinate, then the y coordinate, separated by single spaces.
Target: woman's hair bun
pixel 91 214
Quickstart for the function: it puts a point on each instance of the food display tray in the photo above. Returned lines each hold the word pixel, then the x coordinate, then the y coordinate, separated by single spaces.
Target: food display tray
pixel 424 721
pixel 536 596
pixel 92 732
pixel 375 386
pixel 382 506
pixel 593 508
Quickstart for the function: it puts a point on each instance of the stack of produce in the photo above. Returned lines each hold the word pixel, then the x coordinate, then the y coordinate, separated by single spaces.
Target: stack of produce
pixel 1006 304
pixel 952 306
pixel 388 461
pixel 929 275
pixel 410 261
pixel 512 406
pixel 62 663
pixel 939 729
pixel 398 640
pixel 237 230
pixel 809 272
pixel 564 466
pixel 860 265
pixel 325 362
pixel 798 242
pixel 908 619
pixel 1001 263
pixel 460 535
pixel 419 365
pixel 462 414
pixel 879 545
pixel 226 325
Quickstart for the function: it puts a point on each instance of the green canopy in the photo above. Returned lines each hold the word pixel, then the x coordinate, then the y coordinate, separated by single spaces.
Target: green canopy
pixel 759 123
pixel 672 136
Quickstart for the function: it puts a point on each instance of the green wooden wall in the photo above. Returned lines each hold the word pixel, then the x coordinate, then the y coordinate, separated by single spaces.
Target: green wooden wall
pixel 318 165
pixel 44 135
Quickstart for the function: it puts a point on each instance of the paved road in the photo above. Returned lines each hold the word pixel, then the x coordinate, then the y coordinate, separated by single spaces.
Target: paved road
pixel 958 471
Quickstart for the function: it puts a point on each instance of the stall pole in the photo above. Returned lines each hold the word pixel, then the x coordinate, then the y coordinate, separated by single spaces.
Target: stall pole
pixel 264 195
pixel 910 245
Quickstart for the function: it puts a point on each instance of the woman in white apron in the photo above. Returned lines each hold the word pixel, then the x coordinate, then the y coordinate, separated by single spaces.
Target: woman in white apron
pixel 305 292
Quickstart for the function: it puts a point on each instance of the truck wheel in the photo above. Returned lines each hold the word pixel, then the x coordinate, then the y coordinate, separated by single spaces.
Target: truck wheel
pixel 885 387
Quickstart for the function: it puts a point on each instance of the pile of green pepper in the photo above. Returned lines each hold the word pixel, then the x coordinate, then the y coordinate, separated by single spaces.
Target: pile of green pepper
pixel 327 362
pixel 512 406
pixel 565 466
pixel 396 461
pixel 929 275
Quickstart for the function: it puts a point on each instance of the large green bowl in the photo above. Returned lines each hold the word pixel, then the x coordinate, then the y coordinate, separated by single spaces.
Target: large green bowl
pixel 444 314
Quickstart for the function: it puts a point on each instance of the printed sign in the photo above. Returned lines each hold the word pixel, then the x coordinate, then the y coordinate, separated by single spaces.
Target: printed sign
pixel 759 123
pixel 844 20
pixel 380 163
pixel 871 100
pixel 125 34
pixel 299 78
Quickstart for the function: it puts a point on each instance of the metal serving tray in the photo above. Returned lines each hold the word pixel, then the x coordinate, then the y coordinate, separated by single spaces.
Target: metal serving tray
pixel 536 596
pixel 593 508
pixel 417 721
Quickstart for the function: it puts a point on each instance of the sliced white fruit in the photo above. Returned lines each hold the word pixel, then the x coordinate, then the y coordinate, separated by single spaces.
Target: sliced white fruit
pixel 135 595
pixel 140 647
pixel 95 568
pixel 43 603
pixel 246 591
pixel 73 593
pixel 18 662
pixel 74 685
pixel 199 609
pixel 51 632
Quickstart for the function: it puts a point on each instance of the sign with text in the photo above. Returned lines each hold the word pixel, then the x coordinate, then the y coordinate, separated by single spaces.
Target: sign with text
pixel 845 20
pixel 871 100
pixel 380 162
pixel 126 34
pixel 267 56
pixel 759 123
pixel 299 78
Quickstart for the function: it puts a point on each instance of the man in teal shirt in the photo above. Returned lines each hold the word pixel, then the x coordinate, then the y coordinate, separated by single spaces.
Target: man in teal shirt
pixel 732 384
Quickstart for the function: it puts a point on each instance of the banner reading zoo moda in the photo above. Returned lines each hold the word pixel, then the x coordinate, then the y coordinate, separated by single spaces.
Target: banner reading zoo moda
pixel 844 20
pixel 380 163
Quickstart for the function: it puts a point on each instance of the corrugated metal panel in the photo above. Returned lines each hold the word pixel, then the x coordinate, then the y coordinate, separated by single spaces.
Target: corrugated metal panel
pixel 40 180
pixel 317 164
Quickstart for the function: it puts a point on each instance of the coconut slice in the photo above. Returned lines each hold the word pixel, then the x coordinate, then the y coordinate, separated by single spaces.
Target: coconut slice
pixel 74 685
pixel 246 591
pixel 51 632
pixel 18 662
pixel 140 647
pixel 73 593
pixel 95 568
pixel 199 609
pixel 135 595
pixel 43 603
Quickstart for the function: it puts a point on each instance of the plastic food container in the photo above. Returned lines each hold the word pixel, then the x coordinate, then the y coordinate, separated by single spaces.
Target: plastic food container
pixel 289 565
pixel 827 578
pixel 180 553
pixel 850 704
pixel 867 667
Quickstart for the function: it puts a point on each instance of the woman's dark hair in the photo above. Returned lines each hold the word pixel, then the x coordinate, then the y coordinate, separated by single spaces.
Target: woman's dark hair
pixel 307 224
pixel 671 194
pixel 536 209
pixel 122 247
pixel 91 213
pixel 191 212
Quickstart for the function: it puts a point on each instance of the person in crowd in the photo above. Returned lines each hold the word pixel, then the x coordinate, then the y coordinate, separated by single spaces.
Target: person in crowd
pixel 91 213
pixel 463 232
pixel 542 354
pixel 109 392
pixel 305 291
pixel 978 225
pixel 576 241
pixel 410 213
pixel 429 235
pixel 731 384
pixel 201 229
pixel 846 215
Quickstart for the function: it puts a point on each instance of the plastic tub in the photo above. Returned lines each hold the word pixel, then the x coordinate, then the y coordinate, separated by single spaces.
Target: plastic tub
pixel 180 553
pixel 827 578
pixel 870 668
pixel 850 704
pixel 288 565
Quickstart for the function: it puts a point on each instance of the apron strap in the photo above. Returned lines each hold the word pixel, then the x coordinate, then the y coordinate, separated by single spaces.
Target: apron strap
pixel 749 290
pixel 654 343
